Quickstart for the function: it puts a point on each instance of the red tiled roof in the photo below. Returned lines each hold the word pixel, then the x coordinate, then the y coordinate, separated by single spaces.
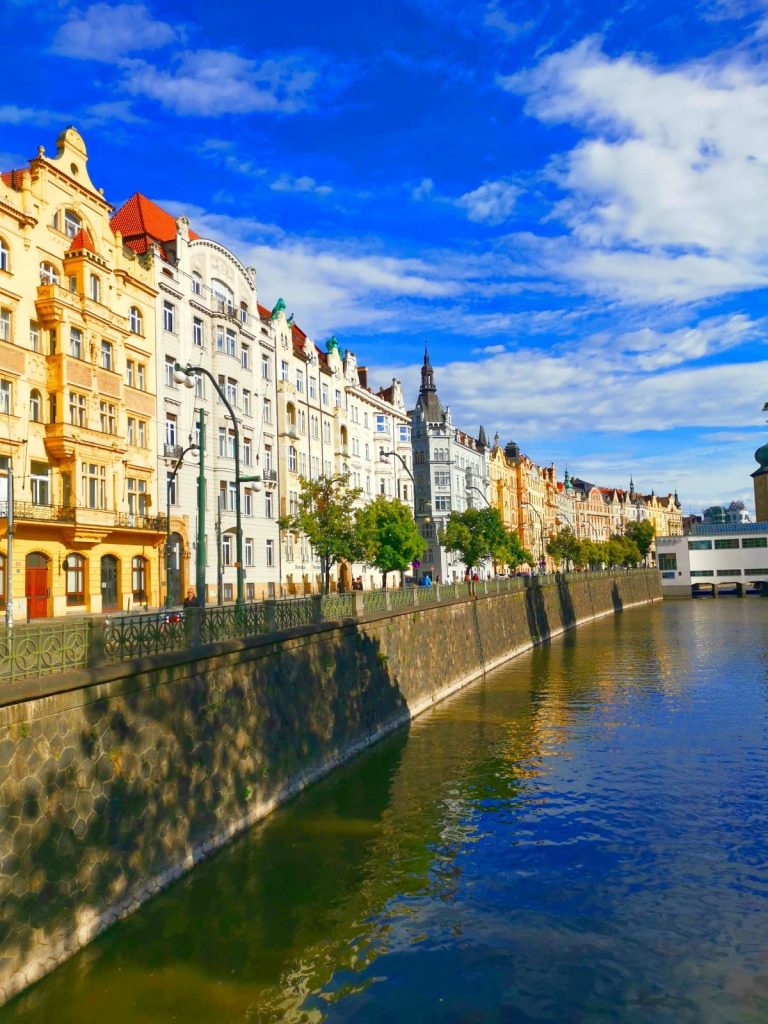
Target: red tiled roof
pixel 140 221
pixel 82 240
pixel 12 179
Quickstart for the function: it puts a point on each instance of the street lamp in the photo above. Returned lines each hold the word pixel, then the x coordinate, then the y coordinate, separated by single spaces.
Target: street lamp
pixel 385 455
pixel 185 375
pixel 168 485
pixel 532 508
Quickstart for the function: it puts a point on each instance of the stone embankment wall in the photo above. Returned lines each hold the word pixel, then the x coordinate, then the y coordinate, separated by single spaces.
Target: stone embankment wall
pixel 116 782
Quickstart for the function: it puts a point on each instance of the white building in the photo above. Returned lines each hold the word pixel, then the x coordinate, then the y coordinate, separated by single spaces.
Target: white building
pixel 713 558
pixel 208 317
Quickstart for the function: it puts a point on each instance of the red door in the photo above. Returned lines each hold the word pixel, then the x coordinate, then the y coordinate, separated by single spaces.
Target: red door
pixel 37 587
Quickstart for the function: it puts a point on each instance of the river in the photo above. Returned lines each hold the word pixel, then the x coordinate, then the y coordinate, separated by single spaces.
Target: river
pixel 581 837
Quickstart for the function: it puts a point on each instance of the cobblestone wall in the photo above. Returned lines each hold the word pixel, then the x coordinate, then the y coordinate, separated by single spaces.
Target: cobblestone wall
pixel 109 791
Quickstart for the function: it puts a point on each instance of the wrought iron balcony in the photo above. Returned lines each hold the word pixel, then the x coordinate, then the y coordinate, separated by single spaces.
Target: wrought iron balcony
pixel 132 520
pixel 269 475
pixel 40 513
pixel 172 451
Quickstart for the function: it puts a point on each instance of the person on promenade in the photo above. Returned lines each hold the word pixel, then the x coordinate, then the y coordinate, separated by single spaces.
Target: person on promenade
pixel 190 601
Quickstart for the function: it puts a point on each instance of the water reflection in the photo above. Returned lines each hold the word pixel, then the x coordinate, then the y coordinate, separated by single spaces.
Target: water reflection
pixel 582 837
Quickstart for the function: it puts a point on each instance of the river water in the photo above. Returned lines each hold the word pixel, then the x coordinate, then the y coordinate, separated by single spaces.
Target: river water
pixel 582 837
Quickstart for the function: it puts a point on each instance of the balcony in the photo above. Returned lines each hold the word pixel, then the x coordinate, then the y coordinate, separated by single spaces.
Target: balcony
pixel 133 521
pixel 27 510
pixel 172 451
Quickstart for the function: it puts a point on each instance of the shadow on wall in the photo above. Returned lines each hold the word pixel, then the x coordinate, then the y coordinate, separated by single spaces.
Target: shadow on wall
pixel 567 611
pixel 98 800
pixel 538 619
pixel 618 604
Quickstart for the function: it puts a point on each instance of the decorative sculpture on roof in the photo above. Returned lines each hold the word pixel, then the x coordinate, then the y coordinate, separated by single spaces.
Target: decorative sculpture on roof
pixel 278 309
pixel 290 320
pixel 332 344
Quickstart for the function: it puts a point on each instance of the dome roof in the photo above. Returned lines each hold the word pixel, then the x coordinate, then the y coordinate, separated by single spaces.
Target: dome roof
pixel 761 456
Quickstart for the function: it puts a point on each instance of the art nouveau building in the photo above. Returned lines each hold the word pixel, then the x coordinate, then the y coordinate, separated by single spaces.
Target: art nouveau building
pixel 451 472
pixel 208 319
pixel 77 435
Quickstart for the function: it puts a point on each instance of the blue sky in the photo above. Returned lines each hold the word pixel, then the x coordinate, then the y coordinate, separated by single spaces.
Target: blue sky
pixel 567 199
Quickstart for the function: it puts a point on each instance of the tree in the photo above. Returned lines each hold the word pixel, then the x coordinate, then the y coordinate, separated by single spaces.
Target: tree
pixel 564 547
pixel 325 515
pixel 514 553
pixel 623 551
pixel 476 534
pixel 390 536
pixel 642 534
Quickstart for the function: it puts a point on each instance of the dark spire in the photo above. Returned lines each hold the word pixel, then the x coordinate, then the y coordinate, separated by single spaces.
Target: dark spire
pixel 631 486
pixel 427 373
pixel 481 437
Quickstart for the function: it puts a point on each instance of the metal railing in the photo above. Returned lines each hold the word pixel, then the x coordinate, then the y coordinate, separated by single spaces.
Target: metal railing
pixel 40 513
pixel 58 645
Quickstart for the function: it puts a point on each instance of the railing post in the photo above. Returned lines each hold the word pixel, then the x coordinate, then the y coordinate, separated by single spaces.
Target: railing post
pixel 358 604
pixel 270 617
pixel 387 602
pixel 97 636
pixel 317 607
pixel 193 626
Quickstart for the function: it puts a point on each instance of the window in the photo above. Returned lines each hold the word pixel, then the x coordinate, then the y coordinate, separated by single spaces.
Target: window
pixel 142 429
pixel 756 572
pixel 5 325
pixel 34 336
pixel 267 458
pixel 302 421
pixel 77 413
pixel 313 387
pixel 170 429
pixel 40 479
pixel 130 373
pixel 197 284
pixel 381 423
pixel 76 342
pixel 5 396
pixel 74 579
pixel 699 545
pixel 95 288
pixel 48 274
pixel 300 381
pixel 197 332
pixel 137 497
pixel 327 431
pixel 248 553
pixel 5 255
pixel 729 572
pixel 314 426
pixel 404 434
pixel 72 223
pixel 337 398
pixel 135 321
pixel 72 283
pixel 292 458
pixel 131 432
pixel 754 542
pixel 269 509
pixel 199 385
pixel 224 296
pixel 245 357
pixel 222 441
pixel 442 479
pixel 267 410
pixel 170 362
pixel 667 562
pixel 106 355
pixel 232 494
pixel 243 313
pixel 324 394
pixel 169 317
pixel 228 592
pixel 139 578
pixel 246 402
pixel 303 463
pixel 265 367
pixel 442 503
pixel 726 542
pixel 283 370
pixel 231 391
pixel 702 572
pixel 270 553
pixel 226 550
pixel 93 482
pixel 247 508
pixel 35 406
pixel 226 341
pixel 247 450
pixel 107 418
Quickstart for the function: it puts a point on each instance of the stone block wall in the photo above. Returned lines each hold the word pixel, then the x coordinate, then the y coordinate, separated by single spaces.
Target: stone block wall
pixel 117 782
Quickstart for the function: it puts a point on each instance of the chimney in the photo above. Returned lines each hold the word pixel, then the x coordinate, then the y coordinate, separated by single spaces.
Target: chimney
pixel 362 376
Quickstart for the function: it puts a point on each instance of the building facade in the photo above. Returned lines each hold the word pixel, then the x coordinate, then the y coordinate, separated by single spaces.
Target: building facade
pixel 78 441
pixel 732 556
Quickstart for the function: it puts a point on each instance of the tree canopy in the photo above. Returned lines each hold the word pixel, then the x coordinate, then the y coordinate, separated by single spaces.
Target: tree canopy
pixel 389 535
pixel 642 534
pixel 325 515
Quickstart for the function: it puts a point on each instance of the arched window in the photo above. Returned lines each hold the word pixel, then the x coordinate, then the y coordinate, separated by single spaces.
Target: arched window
pixel 197 284
pixel 224 296
pixel 48 274
pixel 136 321
pixel 68 222
pixel 5 255
pixel 139 578
pixel 35 406
pixel 74 579
pixel 290 415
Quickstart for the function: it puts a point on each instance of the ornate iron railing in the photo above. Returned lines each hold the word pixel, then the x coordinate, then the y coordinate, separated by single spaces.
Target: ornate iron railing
pixel 337 606
pixel 130 519
pixel 224 622
pixel 135 636
pixel 294 612
pixel 41 513
pixel 374 600
pixel 41 649
pixel 402 598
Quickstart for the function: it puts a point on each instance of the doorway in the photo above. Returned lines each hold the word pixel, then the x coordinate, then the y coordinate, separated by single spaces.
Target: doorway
pixel 108 583
pixel 36 587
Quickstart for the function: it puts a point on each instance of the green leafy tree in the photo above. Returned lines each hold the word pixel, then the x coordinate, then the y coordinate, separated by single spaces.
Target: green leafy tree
pixel 564 547
pixel 642 534
pixel 476 534
pixel 622 551
pixel 593 553
pixel 325 515
pixel 513 553
pixel 390 536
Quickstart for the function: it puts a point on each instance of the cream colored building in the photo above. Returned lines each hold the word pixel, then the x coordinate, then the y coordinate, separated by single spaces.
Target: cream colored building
pixel 76 309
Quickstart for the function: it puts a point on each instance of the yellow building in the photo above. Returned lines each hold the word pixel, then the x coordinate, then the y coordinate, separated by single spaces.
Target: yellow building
pixel 77 397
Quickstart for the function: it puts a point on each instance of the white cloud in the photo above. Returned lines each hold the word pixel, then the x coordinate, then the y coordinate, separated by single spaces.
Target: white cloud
pixel 664 195
pixel 210 83
pixel 105 32
pixel 12 114
pixel 424 189
pixel 288 183
pixel 493 202
pixel 497 18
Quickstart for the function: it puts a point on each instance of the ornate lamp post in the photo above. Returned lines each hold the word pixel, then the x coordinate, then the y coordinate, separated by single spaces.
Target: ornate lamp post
pixel 185 375
pixel 168 554
pixel 385 455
